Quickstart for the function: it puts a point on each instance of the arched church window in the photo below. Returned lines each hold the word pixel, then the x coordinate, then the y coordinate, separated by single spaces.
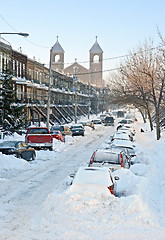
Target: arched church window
pixel 57 58
pixel 96 59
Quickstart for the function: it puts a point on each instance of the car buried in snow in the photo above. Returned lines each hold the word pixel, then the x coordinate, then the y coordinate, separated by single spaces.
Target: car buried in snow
pixel 123 144
pixel 95 180
pixel 113 159
pixel 19 149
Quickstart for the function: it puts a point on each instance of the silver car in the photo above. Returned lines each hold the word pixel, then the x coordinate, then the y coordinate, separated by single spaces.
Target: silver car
pixel 113 159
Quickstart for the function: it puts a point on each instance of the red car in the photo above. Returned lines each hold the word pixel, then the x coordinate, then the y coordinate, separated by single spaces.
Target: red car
pixel 58 135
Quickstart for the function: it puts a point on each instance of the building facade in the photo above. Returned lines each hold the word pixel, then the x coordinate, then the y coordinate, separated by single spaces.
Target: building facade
pixel 31 81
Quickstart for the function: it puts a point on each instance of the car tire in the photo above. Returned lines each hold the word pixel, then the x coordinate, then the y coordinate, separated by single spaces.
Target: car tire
pixel 18 155
pixel 33 156
pixel 50 149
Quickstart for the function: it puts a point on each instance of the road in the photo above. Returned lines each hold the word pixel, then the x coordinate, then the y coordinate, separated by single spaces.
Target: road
pixel 22 193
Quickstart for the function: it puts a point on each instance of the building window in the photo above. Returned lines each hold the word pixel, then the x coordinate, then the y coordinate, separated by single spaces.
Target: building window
pixel 96 59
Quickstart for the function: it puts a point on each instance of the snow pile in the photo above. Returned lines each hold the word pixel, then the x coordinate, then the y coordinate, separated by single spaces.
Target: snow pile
pixel 9 162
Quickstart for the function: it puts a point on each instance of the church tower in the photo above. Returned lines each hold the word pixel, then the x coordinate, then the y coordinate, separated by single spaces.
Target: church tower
pixel 96 64
pixel 57 57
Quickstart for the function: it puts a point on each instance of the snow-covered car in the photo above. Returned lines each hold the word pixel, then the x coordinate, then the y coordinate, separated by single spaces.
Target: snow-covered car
pixel 19 149
pixel 121 136
pixel 126 129
pixel 94 179
pixel 113 159
pixel 124 144
pixel 97 121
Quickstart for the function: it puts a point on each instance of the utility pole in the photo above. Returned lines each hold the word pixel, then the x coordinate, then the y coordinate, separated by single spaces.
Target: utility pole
pixel 89 89
pixel 75 80
pixel 49 87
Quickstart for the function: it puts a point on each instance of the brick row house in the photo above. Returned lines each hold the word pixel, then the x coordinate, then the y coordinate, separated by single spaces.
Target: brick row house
pixel 31 81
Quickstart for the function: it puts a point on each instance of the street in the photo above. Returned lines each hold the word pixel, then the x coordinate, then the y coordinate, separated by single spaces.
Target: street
pixel 23 194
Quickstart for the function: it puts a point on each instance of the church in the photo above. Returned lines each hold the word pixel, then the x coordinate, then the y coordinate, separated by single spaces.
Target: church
pixel 92 76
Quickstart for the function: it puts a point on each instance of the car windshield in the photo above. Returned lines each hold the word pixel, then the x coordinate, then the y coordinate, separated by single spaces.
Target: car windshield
pixel 76 127
pixel 59 128
pixel 106 157
pixel 38 131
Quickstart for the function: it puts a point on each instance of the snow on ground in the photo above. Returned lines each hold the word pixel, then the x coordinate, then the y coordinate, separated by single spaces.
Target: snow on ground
pixel 34 206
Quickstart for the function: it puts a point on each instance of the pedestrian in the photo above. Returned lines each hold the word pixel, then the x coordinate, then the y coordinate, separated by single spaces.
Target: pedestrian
pixel 92 125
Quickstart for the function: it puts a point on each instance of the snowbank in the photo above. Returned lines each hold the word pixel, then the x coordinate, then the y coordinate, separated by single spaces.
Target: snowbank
pixel 9 162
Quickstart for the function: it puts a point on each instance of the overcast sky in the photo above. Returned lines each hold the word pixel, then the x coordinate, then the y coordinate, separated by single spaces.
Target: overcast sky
pixel 120 25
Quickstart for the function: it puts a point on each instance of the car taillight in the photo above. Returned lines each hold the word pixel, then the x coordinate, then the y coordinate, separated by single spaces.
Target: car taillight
pixel 93 157
pixel 110 188
pixel 121 160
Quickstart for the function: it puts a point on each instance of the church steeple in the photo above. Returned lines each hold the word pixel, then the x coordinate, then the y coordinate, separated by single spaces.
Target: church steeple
pixel 96 48
pixel 57 57
pixel 57 47
pixel 96 64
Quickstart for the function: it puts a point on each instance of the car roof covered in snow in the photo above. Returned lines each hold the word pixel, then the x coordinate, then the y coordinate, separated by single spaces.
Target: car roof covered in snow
pixel 122 143
pixel 93 175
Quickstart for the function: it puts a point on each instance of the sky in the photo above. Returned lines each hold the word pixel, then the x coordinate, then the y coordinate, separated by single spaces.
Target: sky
pixel 120 26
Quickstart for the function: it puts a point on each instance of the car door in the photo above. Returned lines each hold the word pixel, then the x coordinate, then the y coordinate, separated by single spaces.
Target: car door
pixel 26 153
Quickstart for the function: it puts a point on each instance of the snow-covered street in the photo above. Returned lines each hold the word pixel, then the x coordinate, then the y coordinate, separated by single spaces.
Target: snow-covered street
pixel 35 201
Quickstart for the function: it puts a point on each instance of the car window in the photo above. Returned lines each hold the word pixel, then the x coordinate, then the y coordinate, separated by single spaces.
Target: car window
pixel 8 144
pixel 106 157
pixel 38 131
pixel 59 128
pixel 76 127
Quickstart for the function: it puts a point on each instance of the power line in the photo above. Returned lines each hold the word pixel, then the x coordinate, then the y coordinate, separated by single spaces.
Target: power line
pixel 17 31
pixel 105 59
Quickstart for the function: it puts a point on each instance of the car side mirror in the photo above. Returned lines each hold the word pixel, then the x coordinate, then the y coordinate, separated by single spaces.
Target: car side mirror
pixel 72 175
pixel 116 178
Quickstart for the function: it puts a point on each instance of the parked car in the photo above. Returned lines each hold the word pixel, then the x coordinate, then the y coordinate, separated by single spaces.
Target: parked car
pixel 102 116
pixel 77 129
pixel 64 129
pixel 19 149
pixel 131 116
pixel 122 136
pixel 57 128
pixel 58 135
pixel 94 179
pixel 97 121
pixel 126 128
pixel 126 121
pixel 126 131
pixel 120 114
pixel 113 159
pixel 108 121
pixel 39 137
pixel 124 144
